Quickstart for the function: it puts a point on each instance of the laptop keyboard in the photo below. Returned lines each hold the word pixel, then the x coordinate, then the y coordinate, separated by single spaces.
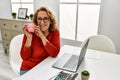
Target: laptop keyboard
pixel 72 62
pixel 66 76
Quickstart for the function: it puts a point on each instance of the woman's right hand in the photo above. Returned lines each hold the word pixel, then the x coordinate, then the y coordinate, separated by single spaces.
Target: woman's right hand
pixel 28 34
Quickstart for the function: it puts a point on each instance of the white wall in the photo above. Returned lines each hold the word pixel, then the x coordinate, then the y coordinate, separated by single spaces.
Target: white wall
pixel 5 9
pixel 110 21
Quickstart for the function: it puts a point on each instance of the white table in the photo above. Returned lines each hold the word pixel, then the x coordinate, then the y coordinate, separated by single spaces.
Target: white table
pixel 101 65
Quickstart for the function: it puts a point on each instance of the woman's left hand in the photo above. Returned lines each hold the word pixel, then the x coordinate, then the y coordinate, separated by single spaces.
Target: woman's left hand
pixel 38 32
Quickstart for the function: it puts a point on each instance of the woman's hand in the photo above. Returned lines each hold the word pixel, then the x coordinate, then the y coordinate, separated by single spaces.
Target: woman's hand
pixel 38 32
pixel 28 35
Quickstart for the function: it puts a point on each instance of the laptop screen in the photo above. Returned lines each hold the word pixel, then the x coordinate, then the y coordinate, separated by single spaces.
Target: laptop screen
pixel 83 51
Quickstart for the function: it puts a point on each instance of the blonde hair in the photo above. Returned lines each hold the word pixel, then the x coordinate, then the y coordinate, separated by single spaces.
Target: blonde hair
pixel 53 24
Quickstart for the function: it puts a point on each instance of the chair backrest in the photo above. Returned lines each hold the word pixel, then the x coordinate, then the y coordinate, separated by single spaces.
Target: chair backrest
pixel 14 53
pixel 101 43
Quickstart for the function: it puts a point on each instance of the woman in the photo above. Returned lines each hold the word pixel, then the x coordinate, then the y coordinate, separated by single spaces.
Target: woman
pixel 43 42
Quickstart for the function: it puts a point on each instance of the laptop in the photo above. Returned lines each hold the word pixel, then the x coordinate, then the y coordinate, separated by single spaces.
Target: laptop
pixel 71 62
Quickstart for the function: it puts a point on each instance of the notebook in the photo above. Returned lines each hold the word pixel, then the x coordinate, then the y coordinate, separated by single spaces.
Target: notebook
pixel 70 62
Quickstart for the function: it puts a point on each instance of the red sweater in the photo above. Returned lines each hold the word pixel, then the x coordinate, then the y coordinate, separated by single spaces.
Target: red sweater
pixel 38 52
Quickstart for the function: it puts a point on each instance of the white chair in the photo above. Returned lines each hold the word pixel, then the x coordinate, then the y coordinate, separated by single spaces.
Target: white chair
pixel 101 43
pixel 14 53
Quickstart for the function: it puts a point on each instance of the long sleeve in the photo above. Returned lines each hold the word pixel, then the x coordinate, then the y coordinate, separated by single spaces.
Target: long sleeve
pixel 52 47
pixel 25 52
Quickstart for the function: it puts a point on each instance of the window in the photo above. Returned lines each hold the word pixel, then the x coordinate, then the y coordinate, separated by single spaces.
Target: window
pixel 16 4
pixel 79 18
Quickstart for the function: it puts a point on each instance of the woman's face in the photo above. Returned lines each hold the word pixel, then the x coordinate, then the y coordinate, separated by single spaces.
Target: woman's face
pixel 43 21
